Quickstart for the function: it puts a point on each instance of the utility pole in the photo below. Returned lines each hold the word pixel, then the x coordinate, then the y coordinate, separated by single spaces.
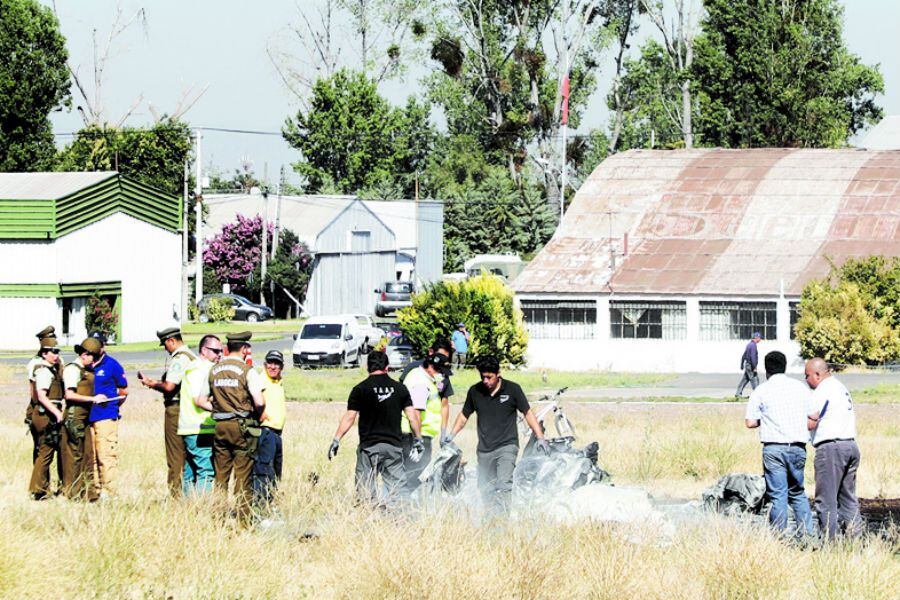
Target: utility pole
pixel 198 208
pixel 564 126
pixel 277 234
pixel 265 236
pixel 184 245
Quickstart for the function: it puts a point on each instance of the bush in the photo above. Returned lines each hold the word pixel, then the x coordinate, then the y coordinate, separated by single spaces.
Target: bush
pixel 483 303
pixel 219 309
pixel 101 316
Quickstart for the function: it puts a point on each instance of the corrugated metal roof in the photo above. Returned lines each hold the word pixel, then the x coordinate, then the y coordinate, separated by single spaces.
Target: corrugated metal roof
pixel 720 222
pixel 308 215
pixel 47 186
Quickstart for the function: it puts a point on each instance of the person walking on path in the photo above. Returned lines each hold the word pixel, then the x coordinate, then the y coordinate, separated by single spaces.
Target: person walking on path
pixel 496 400
pixel 76 444
pixel 749 362
pixel 195 424
pixel 423 384
pixel 460 338
pixel 780 408
pixel 109 380
pixel 234 397
pixel 379 401
pixel 833 428
pixel 170 387
pixel 45 417
pixel 268 464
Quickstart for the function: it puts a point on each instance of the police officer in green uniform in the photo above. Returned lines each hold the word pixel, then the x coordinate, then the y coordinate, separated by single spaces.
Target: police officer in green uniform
pixel 170 387
pixel 44 414
pixel 76 444
pixel 235 398
pixel 46 332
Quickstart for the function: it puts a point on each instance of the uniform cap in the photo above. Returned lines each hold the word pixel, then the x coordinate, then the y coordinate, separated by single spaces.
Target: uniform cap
pixel 47 331
pixel 275 356
pixel 243 336
pixel 98 335
pixel 167 333
pixel 49 343
pixel 91 345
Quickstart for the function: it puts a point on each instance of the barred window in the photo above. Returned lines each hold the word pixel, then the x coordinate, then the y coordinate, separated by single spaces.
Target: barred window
pixel 721 321
pixel 560 319
pixel 650 320
pixel 794 308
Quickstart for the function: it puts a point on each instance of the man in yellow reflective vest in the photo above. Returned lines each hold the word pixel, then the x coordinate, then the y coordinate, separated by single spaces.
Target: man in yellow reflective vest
pixel 195 424
pixel 423 384
pixel 267 467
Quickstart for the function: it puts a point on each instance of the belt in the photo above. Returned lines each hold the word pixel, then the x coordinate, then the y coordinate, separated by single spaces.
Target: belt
pixel 797 444
pixel 227 416
pixel 817 444
pixel 172 402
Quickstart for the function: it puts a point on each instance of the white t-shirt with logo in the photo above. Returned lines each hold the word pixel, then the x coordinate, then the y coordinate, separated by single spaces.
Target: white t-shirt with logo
pixel 839 420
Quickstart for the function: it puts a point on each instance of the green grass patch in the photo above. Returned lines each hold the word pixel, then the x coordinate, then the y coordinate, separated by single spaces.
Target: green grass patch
pixel 272 326
pixel 333 385
pixel 883 393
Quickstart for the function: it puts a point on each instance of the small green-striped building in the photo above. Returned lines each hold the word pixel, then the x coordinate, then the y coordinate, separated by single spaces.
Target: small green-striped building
pixel 65 237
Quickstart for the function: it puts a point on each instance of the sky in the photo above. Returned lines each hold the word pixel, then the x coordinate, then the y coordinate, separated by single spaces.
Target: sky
pixel 221 45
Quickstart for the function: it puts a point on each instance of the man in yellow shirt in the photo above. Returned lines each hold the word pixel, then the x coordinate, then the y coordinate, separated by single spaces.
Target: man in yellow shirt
pixel 267 468
pixel 195 424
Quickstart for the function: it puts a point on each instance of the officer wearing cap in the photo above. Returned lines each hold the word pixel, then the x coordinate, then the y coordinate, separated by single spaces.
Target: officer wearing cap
pixel 44 413
pixel 234 396
pixel 267 466
pixel 76 445
pixel 46 332
pixel 170 387
pixel 423 384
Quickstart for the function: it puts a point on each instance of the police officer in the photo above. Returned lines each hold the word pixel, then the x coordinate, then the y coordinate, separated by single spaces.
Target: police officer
pixel 170 387
pixel 235 398
pixel 44 414
pixel 46 332
pixel 76 442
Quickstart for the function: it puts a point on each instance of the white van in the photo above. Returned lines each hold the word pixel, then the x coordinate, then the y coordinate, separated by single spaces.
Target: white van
pixel 327 340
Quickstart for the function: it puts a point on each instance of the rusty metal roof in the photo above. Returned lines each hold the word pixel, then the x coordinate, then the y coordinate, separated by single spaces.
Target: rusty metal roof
pixel 720 222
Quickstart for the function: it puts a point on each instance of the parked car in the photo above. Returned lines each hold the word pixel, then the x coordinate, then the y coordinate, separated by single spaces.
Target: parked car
pixel 391 329
pixel 327 340
pixel 370 333
pixel 399 351
pixel 244 310
pixel 393 295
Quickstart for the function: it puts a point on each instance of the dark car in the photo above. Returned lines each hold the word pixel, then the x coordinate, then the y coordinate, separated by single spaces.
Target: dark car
pixel 393 295
pixel 244 310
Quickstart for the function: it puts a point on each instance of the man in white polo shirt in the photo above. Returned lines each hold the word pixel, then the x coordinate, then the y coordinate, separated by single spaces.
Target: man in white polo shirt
pixel 833 428
pixel 780 408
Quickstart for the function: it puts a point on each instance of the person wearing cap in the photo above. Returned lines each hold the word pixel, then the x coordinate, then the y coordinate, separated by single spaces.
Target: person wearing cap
pixel 496 400
pixel 460 339
pixel 195 423
pixel 45 416
pixel 268 463
pixel 423 385
pixel 380 402
pixel 109 380
pixel 170 387
pixel 76 445
pixel 445 386
pixel 749 362
pixel 234 396
pixel 47 332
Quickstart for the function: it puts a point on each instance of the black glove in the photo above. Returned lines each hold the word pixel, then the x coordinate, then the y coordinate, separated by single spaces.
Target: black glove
pixel 332 451
pixel 544 446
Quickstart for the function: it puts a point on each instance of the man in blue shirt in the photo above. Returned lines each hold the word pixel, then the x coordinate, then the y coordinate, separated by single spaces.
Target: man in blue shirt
pixel 460 339
pixel 109 380
pixel 749 361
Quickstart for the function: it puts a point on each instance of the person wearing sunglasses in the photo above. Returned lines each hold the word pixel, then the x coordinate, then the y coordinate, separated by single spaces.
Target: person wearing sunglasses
pixel 44 414
pixel 195 424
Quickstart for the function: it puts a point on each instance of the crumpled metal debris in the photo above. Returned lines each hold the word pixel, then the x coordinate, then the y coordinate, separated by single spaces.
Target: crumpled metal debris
pixel 736 494
pixel 445 473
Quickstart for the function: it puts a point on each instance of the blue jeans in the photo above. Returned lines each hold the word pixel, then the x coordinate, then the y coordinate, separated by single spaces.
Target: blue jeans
pixel 267 465
pixel 783 469
pixel 199 473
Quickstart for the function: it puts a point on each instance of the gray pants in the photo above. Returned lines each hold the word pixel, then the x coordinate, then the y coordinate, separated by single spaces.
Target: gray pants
pixel 459 359
pixel 495 476
pixel 836 502
pixel 750 377
pixel 379 459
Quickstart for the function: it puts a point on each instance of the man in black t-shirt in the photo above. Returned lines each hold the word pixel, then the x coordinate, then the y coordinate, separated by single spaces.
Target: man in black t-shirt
pixel 496 400
pixel 379 402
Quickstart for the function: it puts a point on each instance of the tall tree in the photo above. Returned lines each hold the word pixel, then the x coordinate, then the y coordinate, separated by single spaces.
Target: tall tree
pixel 624 22
pixel 34 81
pixel 779 74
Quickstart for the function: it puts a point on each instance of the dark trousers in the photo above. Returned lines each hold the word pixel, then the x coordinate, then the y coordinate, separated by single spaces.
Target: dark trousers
pixel 749 376
pixel 495 476
pixel 382 460
pixel 836 503
pixel 267 465
pixel 77 454
pixel 174 450
pixel 231 453
pixel 42 456
pixel 414 469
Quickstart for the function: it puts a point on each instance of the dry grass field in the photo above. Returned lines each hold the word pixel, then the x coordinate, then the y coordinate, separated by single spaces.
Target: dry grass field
pixel 145 545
